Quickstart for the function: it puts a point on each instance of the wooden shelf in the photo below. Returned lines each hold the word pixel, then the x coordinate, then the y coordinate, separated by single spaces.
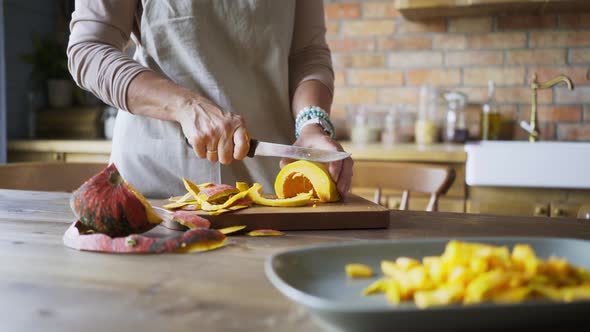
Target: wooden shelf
pixel 425 9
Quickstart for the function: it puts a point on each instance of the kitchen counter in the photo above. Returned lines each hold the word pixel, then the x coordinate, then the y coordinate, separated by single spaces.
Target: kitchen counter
pixel 48 287
pixel 64 145
pixel 62 150
pixel 408 152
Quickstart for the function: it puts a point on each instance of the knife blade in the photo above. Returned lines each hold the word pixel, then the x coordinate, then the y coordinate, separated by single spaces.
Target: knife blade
pixel 260 148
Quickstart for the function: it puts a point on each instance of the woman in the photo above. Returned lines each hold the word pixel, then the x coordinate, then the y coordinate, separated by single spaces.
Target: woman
pixel 210 73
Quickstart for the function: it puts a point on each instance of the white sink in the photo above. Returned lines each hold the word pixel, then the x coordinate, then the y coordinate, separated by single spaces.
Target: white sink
pixel 526 164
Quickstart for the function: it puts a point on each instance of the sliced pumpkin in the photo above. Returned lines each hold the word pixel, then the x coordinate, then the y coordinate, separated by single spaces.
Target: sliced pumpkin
pixel 255 193
pixel 192 188
pixel 304 176
pixel 231 201
pixel 179 204
pixel 231 229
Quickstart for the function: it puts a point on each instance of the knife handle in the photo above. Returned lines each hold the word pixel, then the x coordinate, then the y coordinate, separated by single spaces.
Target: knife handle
pixel 252 149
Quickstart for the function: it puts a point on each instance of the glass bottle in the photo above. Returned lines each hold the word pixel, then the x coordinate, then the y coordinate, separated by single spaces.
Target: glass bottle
pixel 491 119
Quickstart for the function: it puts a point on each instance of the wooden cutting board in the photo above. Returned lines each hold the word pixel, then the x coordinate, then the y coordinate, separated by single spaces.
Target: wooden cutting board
pixel 353 212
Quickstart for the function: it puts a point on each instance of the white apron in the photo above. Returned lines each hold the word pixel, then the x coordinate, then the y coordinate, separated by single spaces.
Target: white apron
pixel 233 52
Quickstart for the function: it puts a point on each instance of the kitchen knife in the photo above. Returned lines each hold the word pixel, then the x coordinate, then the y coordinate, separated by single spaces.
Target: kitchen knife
pixel 259 148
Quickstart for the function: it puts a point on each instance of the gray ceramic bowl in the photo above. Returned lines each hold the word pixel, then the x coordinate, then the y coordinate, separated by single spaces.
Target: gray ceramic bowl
pixel 314 278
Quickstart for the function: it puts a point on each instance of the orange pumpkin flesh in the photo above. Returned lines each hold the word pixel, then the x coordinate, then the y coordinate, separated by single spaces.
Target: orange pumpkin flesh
pixel 303 176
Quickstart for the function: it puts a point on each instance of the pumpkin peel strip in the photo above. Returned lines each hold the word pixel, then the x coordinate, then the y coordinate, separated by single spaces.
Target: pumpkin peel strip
pixel 265 232
pixel 231 229
pixel 200 239
pixel 255 193
pixel 190 220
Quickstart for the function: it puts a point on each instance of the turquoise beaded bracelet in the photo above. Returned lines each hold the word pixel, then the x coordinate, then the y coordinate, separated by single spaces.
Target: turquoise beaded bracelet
pixel 314 112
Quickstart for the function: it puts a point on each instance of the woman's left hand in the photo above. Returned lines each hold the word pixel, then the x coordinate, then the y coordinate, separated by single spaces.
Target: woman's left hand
pixel 313 136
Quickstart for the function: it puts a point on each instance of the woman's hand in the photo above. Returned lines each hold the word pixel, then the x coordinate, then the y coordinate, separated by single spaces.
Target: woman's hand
pixel 313 136
pixel 213 133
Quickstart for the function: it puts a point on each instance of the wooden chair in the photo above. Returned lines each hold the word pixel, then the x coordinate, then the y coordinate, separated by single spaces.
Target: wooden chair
pixel 406 177
pixel 46 176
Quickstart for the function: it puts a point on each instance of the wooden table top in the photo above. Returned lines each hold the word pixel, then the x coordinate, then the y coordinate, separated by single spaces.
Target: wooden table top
pixel 45 286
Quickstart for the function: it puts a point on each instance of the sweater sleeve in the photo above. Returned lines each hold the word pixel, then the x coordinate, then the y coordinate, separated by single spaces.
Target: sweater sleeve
pixel 309 57
pixel 99 31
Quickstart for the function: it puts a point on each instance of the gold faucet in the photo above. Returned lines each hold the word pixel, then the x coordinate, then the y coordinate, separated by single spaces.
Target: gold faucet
pixel 533 127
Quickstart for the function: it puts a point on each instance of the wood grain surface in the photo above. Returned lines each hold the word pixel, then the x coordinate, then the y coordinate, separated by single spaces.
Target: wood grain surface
pixel 45 286
pixel 353 212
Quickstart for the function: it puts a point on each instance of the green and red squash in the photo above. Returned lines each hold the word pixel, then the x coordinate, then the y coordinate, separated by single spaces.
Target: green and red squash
pixel 107 204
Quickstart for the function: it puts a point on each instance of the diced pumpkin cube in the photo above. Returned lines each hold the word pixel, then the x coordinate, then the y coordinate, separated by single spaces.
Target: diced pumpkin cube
pixel 406 263
pixel 441 296
pixel 459 275
pixel 392 291
pixel 483 284
pixel 358 271
pixel 575 293
pixel 379 286
pixel 434 266
pixel 511 295
pixel 478 265
pixel 390 269
pixel 524 256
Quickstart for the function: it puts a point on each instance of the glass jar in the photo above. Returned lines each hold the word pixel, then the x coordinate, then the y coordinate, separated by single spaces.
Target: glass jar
pixel 426 128
pixel 362 132
pixel 391 131
pixel 455 128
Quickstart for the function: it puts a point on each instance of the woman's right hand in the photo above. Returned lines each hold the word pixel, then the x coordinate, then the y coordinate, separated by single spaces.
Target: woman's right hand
pixel 213 133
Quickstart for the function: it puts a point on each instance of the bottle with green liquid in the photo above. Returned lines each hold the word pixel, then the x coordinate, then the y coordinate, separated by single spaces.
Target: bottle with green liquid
pixel 491 119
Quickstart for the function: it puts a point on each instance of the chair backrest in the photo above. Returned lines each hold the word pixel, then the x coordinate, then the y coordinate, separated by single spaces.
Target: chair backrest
pixel 432 179
pixel 47 176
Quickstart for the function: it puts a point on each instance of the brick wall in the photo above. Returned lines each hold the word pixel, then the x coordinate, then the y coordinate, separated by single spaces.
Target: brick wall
pixel 382 59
